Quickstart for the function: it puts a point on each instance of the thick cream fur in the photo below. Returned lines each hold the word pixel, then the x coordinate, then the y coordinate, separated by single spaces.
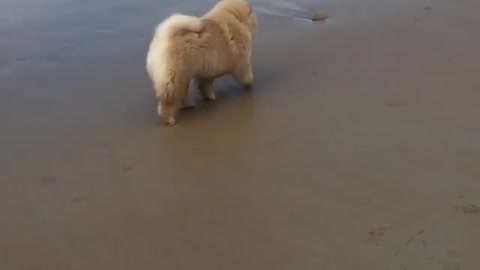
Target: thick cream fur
pixel 205 48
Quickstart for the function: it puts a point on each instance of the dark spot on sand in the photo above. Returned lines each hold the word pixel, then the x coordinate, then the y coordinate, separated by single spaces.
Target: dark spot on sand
pixel 397 102
pixel 79 199
pixel 474 129
pixel 270 146
pixel 319 17
pixel 397 252
pixel 314 73
pixel 427 8
pixel 378 232
pixel 48 181
pixel 409 241
pixel 415 239
pixel 468 209
pixel 451 266
pixel 452 253
pixel 376 235
pixel 127 168
pixel 109 148
pixel 104 144
pixel 461 196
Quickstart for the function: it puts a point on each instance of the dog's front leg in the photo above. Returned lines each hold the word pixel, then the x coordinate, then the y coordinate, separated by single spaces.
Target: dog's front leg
pixel 244 75
pixel 167 111
pixel 187 102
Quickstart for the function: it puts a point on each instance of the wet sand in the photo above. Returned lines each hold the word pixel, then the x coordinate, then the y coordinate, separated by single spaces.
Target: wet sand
pixel 358 148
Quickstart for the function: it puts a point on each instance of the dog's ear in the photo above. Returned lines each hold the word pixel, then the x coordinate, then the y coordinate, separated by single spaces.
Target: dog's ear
pixel 241 9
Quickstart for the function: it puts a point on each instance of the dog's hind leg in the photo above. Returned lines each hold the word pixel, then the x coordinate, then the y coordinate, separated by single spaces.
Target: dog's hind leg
pixel 205 86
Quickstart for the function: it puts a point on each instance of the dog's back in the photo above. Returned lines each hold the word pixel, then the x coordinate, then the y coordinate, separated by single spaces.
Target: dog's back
pixel 205 44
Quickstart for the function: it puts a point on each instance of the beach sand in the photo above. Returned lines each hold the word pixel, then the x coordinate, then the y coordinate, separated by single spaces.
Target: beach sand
pixel 357 148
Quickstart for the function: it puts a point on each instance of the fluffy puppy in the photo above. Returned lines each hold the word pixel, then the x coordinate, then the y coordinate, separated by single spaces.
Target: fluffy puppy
pixel 204 48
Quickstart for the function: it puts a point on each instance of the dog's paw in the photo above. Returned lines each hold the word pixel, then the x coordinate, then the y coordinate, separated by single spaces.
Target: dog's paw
pixel 170 121
pixel 210 97
pixel 187 107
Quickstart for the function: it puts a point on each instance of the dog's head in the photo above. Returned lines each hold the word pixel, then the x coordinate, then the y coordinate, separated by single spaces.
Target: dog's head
pixel 242 11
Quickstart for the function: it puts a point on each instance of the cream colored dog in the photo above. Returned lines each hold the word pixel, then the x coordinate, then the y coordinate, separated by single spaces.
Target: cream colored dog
pixel 204 48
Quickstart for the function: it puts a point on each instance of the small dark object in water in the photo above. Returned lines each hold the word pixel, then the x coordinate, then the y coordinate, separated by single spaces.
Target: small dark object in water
pixel 319 17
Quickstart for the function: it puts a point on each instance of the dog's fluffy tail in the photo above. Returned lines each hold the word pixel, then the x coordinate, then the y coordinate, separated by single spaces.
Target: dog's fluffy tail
pixel 178 23
pixel 158 55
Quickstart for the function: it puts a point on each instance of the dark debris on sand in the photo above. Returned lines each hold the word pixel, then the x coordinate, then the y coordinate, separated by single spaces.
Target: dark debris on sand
pixel 319 17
